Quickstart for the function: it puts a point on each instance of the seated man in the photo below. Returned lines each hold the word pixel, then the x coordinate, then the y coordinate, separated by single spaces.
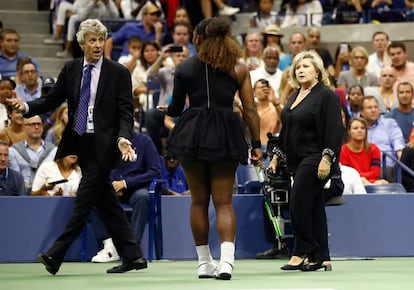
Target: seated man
pixel 172 171
pixel 131 182
pixel 26 156
pixel 11 182
pixel 10 53
pixel 384 132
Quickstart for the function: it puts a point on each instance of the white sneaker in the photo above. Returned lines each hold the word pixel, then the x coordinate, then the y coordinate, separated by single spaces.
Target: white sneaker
pixel 53 40
pixel 224 271
pixel 64 54
pixel 207 270
pixel 228 10
pixel 105 256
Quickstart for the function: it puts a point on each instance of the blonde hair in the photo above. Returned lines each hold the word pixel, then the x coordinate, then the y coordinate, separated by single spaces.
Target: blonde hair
pixel 317 62
pixel 59 125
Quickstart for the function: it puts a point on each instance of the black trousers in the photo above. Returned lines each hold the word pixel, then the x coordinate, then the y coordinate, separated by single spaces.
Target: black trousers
pixel 95 189
pixel 307 209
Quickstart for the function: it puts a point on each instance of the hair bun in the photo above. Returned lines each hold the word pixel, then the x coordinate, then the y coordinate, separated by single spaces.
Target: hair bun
pixel 218 27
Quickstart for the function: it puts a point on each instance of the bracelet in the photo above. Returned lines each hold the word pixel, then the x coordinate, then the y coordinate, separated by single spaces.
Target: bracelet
pixel 256 144
pixel 326 161
pixel 279 153
pixel 329 152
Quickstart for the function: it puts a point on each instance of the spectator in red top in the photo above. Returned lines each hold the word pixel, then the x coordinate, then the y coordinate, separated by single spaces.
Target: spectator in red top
pixel 358 153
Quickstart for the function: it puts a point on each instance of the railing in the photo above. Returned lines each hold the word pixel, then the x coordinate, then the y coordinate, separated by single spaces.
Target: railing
pixel 397 168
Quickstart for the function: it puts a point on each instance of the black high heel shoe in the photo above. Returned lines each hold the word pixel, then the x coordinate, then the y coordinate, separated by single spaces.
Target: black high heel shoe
pixel 310 267
pixel 289 267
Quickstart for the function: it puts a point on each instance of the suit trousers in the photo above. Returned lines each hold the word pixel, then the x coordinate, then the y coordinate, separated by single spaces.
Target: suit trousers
pixel 307 209
pixel 96 190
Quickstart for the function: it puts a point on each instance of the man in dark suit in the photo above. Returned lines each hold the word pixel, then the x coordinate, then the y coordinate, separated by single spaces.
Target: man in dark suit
pixel 100 121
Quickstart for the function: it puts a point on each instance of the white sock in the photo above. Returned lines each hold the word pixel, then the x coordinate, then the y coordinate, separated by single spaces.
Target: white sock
pixel 203 253
pixel 227 252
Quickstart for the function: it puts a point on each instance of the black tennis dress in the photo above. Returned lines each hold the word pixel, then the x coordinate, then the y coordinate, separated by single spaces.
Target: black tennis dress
pixel 208 130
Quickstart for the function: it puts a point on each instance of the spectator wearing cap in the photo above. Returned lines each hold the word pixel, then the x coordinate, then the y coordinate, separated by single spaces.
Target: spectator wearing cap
pixel 48 118
pixel 150 28
pixel 10 53
pixel 173 173
pixel 273 37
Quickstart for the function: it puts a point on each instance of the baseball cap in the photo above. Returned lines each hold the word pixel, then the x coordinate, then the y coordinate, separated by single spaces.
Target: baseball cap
pixel 48 83
pixel 150 9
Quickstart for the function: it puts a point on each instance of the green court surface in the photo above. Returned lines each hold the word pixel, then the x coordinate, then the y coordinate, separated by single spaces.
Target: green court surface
pixel 382 273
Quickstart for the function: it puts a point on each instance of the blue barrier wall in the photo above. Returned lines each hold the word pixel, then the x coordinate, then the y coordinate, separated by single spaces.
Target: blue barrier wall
pixel 365 226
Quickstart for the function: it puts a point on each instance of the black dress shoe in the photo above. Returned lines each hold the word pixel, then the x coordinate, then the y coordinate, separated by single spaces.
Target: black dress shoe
pixel 313 266
pixel 126 266
pixel 273 253
pixel 289 267
pixel 51 264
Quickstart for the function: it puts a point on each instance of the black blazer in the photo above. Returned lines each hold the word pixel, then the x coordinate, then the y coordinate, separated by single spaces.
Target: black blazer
pixel 113 111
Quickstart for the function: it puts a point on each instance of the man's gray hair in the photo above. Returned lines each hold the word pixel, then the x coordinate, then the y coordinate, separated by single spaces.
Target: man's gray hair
pixel 90 25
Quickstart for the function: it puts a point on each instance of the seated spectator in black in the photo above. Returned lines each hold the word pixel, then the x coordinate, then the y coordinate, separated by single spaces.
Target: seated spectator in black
pixel 150 28
pixel 10 53
pixel 131 182
pixel 50 173
pixel 354 99
pixel 350 11
pixel 385 11
pixel 14 132
pixel 407 157
pixel 173 173
pixel 11 182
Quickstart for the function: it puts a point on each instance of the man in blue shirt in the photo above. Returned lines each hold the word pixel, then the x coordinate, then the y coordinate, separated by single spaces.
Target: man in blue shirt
pixel 404 114
pixel 297 43
pixel 131 182
pixel 30 89
pixel 173 173
pixel 11 182
pixel 150 28
pixel 383 132
pixel 10 53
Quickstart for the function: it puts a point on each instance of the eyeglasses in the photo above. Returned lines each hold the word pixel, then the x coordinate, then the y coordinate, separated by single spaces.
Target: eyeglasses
pixel 33 124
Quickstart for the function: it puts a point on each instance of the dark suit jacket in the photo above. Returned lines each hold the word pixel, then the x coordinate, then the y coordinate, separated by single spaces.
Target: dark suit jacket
pixel 113 111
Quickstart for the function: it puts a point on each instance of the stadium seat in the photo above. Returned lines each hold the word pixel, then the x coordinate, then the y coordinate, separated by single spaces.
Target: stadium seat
pixel 385 188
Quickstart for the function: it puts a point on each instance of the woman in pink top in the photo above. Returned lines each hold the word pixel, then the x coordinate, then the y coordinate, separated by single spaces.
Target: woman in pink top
pixel 358 153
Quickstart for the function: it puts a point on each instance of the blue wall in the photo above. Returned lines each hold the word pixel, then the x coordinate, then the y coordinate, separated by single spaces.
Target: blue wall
pixel 365 226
